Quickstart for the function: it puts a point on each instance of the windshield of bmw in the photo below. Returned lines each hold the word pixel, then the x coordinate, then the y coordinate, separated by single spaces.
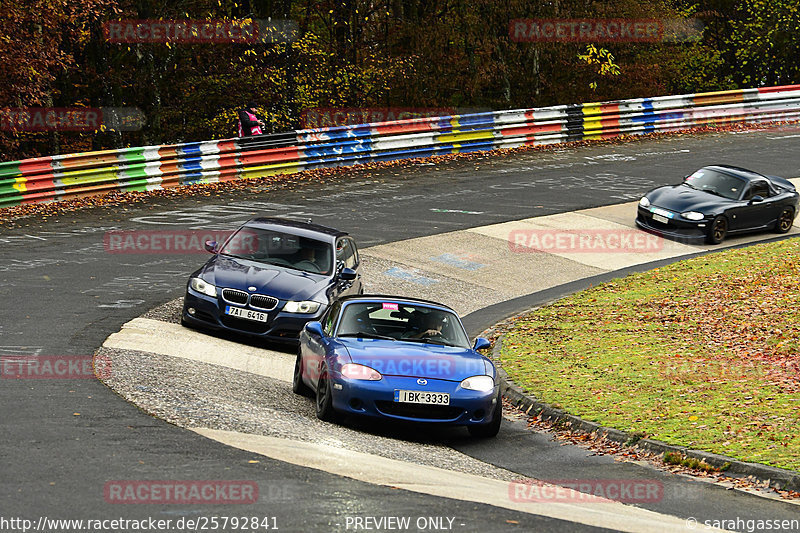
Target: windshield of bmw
pixel 716 183
pixel 402 322
pixel 282 249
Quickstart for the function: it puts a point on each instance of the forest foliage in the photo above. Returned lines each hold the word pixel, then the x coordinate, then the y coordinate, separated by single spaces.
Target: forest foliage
pixel 455 55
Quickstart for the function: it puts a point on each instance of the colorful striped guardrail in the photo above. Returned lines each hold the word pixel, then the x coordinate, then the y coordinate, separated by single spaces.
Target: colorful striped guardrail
pixel 63 177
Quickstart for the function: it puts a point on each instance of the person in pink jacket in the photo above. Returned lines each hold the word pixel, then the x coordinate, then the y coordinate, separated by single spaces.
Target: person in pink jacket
pixel 249 122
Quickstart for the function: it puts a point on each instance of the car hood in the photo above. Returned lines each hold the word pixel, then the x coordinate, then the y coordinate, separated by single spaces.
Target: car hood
pixel 682 198
pixel 410 359
pixel 282 283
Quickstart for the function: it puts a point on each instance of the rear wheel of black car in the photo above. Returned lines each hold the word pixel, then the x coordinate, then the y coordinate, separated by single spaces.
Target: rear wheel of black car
pixel 785 220
pixel 487 431
pixel 325 397
pixel 718 230
pixel 298 387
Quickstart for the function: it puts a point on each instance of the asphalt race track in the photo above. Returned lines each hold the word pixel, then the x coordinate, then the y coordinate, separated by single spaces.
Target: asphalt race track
pixel 64 294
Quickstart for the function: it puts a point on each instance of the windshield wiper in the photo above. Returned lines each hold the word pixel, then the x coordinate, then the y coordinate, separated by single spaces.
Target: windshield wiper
pixel 715 193
pixel 284 265
pixel 367 335
pixel 431 341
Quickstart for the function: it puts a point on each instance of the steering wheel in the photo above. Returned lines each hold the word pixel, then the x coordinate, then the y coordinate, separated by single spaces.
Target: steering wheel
pixel 308 266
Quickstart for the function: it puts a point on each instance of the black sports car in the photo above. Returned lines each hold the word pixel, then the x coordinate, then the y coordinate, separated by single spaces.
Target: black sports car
pixel 716 201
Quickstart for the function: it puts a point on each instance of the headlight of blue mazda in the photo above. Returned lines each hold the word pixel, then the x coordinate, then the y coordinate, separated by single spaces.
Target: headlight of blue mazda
pixel 203 287
pixel 305 307
pixel 478 383
pixel 693 215
pixel 644 202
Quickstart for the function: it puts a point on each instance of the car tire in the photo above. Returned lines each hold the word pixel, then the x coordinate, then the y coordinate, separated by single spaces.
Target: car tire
pixel 490 430
pixel 718 230
pixel 785 220
pixel 324 398
pixel 298 387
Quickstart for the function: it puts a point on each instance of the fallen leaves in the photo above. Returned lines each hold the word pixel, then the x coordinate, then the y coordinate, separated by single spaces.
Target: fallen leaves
pixel 702 353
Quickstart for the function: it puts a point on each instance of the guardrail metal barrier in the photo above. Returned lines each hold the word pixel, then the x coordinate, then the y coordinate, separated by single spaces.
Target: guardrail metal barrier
pixel 62 177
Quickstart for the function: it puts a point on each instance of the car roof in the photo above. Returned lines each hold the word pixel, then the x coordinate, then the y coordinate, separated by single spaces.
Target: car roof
pixel 398 299
pixel 304 229
pixel 739 172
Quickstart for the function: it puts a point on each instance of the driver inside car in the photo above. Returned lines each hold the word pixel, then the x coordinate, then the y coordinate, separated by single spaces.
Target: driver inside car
pixel 431 325
pixel 306 259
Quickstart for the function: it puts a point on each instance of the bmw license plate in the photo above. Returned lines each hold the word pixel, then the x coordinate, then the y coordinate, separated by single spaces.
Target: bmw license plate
pixel 418 396
pixel 247 314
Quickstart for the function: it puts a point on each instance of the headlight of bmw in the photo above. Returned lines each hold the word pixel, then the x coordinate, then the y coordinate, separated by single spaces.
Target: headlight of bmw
pixel 644 202
pixel 693 215
pixel 201 286
pixel 478 383
pixel 305 307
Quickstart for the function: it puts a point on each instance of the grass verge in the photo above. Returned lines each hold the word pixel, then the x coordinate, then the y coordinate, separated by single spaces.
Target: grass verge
pixel 703 353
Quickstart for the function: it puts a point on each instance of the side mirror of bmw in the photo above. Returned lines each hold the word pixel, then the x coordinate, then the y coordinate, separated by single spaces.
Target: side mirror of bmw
pixel 482 344
pixel 347 274
pixel 757 198
pixel 314 327
pixel 211 247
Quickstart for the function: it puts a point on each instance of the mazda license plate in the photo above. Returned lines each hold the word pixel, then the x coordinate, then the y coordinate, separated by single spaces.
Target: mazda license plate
pixel 418 396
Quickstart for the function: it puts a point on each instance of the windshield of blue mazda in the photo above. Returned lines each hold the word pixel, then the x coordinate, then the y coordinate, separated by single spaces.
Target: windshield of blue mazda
pixel 401 322
pixel 281 249
pixel 716 183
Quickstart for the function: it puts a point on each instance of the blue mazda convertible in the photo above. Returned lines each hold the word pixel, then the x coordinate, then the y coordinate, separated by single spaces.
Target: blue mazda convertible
pixel 270 277
pixel 397 358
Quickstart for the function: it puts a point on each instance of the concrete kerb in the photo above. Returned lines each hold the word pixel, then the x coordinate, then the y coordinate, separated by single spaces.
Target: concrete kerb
pixel 775 477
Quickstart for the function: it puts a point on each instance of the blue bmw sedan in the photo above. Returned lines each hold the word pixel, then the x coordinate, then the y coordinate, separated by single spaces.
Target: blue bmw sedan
pixel 270 277
pixel 398 358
